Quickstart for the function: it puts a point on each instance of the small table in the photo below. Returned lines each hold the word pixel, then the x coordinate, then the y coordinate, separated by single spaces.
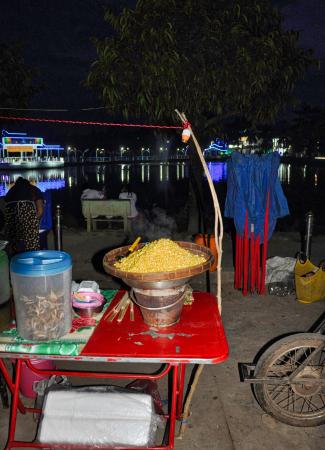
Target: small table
pixel 198 338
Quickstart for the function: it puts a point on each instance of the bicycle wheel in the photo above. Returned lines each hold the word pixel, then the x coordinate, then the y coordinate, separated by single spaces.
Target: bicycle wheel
pixel 301 405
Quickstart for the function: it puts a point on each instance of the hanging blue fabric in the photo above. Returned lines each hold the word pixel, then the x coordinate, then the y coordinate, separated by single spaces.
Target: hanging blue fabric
pixel 255 201
pixel 251 178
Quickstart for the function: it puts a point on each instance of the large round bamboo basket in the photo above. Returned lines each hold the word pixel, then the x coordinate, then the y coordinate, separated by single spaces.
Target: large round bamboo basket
pixel 158 280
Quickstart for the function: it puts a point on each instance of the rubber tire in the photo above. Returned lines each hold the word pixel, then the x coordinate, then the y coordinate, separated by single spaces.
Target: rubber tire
pixel 263 365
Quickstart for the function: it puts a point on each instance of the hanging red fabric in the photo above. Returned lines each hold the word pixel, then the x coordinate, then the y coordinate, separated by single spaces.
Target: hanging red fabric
pixel 252 257
pixel 240 262
pixel 257 262
pixel 264 255
pixel 236 284
pixel 246 258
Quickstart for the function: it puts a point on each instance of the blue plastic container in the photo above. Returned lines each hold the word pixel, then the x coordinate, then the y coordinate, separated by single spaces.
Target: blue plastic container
pixel 41 284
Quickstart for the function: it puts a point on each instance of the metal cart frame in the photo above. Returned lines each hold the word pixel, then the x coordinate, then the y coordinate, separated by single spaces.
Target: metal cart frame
pixel 198 338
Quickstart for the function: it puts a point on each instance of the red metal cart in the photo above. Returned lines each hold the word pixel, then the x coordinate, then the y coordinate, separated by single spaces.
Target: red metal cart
pixel 198 338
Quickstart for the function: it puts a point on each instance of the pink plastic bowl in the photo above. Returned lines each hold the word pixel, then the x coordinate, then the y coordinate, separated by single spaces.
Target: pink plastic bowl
pixel 88 304
pixel 87 297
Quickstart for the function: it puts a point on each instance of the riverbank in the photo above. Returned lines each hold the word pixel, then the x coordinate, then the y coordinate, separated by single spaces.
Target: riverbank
pixel 137 160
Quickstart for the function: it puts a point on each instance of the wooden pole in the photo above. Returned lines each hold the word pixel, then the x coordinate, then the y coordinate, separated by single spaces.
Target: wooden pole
pixel 218 224
pixel 218 235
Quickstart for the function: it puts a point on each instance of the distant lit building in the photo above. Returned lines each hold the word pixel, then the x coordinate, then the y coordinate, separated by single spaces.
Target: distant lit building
pixel 19 145
pixel 217 147
pixel 280 146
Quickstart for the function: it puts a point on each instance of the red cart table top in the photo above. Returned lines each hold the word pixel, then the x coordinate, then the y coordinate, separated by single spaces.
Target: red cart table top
pixel 197 338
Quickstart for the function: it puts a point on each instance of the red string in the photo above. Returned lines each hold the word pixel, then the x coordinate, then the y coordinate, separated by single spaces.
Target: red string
pixel 186 124
pixel 101 124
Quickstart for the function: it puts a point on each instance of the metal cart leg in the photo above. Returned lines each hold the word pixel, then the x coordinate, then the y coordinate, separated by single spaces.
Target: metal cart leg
pixel 11 385
pixel 173 406
pixel 180 386
pixel 3 392
pixel 14 406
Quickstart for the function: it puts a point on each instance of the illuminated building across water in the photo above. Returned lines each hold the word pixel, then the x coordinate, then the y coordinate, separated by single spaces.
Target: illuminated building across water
pixel 21 149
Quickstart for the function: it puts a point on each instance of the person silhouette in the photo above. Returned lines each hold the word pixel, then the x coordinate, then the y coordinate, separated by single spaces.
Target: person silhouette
pixel 23 211
pixel 127 194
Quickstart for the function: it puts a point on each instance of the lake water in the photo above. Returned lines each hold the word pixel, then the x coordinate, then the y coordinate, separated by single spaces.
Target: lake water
pixel 166 185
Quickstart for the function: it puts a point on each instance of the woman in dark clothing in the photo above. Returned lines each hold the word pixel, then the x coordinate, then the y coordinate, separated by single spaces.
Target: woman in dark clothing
pixel 24 208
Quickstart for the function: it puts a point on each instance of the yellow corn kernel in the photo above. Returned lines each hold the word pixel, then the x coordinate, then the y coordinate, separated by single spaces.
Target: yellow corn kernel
pixel 162 255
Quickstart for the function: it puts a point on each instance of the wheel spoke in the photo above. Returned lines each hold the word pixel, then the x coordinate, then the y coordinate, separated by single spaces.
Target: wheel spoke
pixel 279 388
pixel 279 370
pixel 321 396
pixel 285 399
pixel 293 400
pixel 302 406
pixel 311 405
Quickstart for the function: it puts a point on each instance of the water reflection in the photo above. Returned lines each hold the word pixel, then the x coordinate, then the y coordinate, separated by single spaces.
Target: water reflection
pixel 145 173
pixel 180 171
pixel 162 184
pixel 125 173
pixel 44 179
pixel 218 171
pixel 165 185
pixel 285 173
pixel 164 172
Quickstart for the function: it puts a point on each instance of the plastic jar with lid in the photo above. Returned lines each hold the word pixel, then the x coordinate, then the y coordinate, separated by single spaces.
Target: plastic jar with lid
pixel 41 282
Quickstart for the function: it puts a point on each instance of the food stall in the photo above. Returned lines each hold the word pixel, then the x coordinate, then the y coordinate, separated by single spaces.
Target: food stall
pixel 160 321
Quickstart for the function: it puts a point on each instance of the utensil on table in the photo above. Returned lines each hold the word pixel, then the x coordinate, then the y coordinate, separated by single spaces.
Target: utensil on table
pixel 130 249
pixel 131 311
pixel 120 309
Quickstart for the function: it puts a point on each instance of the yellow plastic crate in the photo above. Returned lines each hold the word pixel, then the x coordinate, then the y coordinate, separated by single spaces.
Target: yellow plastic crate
pixel 310 282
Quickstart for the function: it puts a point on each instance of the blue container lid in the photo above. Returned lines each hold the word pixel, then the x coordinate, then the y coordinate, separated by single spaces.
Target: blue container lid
pixel 40 263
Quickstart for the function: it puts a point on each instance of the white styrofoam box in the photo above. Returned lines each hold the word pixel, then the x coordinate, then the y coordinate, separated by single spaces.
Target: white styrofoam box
pixel 94 418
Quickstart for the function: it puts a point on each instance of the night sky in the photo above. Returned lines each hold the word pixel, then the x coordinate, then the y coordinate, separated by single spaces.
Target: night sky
pixel 55 36
pixel 308 17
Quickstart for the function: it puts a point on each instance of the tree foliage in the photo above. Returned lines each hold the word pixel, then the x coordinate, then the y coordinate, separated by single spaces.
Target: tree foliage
pixel 16 86
pixel 213 59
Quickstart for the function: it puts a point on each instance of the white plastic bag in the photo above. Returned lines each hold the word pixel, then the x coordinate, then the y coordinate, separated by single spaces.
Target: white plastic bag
pixel 280 275
pixel 98 415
